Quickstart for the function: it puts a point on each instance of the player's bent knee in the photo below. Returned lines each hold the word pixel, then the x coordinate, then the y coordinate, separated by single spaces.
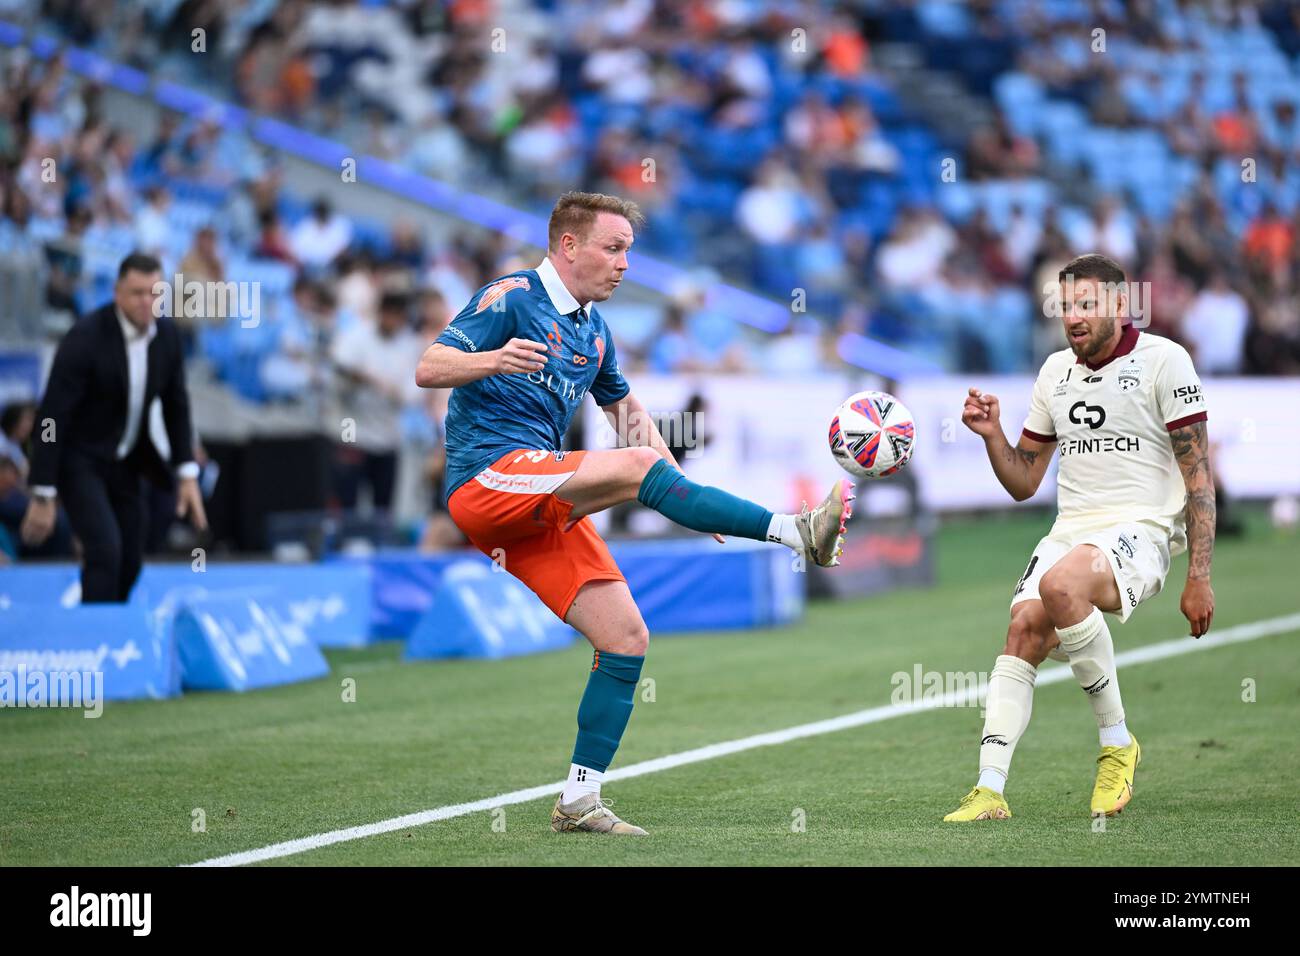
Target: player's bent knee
pixel 640 460
pixel 635 640
pixel 1057 592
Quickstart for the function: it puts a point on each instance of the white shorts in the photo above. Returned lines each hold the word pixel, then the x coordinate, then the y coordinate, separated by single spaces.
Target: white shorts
pixel 1139 560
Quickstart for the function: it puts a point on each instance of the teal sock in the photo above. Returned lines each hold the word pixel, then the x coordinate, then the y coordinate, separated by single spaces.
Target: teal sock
pixel 701 507
pixel 606 707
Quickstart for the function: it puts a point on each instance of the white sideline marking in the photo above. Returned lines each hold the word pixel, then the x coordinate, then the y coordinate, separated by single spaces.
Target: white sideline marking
pixel 872 715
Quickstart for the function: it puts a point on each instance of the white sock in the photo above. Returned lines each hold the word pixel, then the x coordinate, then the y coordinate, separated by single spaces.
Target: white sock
pixel 782 528
pixel 1116 736
pixel 1007 710
pixel 1092 658
pixel 582 781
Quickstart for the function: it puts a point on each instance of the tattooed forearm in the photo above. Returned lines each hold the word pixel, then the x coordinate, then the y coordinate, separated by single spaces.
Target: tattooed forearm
pixel 1019 456
pixel 1018 469
pixel 1192 449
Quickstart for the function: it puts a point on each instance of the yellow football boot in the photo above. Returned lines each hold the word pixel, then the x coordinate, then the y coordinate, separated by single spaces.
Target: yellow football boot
pixel 1114 786
pixel 980 804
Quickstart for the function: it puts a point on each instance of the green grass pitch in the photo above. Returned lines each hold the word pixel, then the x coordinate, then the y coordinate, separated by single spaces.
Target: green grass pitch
pixel 1217 784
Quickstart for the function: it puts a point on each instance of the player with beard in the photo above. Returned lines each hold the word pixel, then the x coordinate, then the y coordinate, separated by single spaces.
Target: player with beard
pixel 1127 412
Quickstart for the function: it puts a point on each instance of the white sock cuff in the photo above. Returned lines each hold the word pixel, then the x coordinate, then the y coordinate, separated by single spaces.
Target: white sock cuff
pixel 1014 668
pixel 1080 635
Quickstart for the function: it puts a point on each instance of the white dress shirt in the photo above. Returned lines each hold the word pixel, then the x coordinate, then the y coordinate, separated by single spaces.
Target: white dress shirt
pixel 137 367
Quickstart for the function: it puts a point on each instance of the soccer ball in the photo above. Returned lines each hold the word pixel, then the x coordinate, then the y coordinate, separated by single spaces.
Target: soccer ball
pixel 872 435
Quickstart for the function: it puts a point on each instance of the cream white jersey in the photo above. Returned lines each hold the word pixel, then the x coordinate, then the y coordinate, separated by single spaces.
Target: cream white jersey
pixel 1111 424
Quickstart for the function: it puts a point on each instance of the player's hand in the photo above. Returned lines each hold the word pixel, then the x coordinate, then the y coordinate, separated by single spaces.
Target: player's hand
pixel 1197 605
pixel 189 500
pixel 38 521
pixel 520 355
pixel 982 413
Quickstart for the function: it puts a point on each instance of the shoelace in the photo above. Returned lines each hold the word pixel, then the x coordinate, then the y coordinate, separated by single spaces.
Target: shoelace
pixel 1110 771
pixel 602 807
pixel 970 798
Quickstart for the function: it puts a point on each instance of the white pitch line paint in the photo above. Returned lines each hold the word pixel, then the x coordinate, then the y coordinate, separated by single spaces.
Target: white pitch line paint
pixel 872 715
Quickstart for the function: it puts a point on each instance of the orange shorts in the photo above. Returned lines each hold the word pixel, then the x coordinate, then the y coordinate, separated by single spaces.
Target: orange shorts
pixel 512 508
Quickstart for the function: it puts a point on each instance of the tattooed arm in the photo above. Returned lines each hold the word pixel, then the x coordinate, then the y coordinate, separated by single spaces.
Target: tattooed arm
pixel 1192 449
pixel 1019 469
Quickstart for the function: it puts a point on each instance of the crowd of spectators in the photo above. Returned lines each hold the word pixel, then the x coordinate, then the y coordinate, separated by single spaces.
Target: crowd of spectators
pixel 761 139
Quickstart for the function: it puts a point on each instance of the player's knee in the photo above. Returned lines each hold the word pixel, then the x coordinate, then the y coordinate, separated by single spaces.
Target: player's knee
pixel 1057 591
pixel 640 460
pixel 635 639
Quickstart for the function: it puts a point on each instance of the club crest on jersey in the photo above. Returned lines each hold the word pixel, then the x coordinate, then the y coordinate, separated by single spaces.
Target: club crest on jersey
pixel 498 289
pixel 1130 377
pixel 1127 544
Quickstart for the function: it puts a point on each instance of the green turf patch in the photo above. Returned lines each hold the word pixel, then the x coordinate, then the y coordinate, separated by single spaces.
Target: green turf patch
pixel 1216 785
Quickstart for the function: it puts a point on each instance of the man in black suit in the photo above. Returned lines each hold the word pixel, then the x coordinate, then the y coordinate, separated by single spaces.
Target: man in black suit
pixel 92 442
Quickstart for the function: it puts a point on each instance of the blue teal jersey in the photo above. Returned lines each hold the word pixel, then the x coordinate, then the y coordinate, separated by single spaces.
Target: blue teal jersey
pixel 497 414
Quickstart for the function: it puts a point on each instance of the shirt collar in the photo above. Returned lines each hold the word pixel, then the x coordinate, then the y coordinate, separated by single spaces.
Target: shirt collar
pixel 561 297
pixel 1127 342
pixel 129 331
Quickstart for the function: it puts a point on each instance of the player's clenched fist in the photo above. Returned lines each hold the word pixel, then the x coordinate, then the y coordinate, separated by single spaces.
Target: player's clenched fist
pixel 982 414
pixel 520 355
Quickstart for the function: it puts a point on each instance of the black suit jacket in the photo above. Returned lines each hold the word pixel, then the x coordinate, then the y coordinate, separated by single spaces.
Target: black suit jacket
pixel 86 398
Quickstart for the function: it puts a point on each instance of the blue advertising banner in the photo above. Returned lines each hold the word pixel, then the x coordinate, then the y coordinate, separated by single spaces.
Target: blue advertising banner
pixel 330 602
pixel 481 612
pixel 228 641
pixel 679 584
pixel 51 656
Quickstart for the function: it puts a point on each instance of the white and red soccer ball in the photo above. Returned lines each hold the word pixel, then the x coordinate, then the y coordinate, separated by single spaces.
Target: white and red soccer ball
pixel 872 435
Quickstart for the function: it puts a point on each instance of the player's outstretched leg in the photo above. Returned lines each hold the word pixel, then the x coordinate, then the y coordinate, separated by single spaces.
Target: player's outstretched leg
pixel 1074 591
pixel 607 478
pixel 606 615
pixel 1007 710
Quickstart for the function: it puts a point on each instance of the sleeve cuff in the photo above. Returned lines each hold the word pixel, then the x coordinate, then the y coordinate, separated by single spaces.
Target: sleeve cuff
pixel 44 491
pixel 1042 439
pixel 615 401
pixel 1178 423
pixel 189 469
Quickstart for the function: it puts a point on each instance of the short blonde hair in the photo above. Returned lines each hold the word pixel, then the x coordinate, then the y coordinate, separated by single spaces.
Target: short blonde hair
pixel 576 212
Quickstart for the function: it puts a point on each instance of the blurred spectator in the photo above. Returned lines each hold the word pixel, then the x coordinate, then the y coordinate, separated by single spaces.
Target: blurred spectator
pixel 771 210
pixel 915 251
pixel 1214 327
pixel 272 242
pixel 1109 232
pixel 373 397
pixel 1269 241
pixel 319 238
pixel 66 257
pixel 998 152
pixel 152 230
pixel 438 149
pixel 1021 239
pixel 1273 341
pixel 672 350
